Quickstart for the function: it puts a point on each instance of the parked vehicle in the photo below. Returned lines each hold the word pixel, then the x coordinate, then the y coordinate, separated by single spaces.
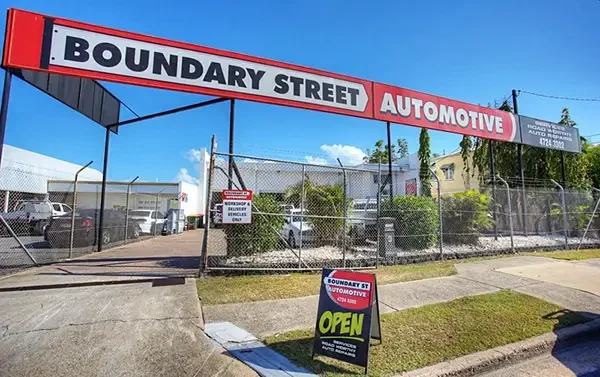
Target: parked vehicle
pixel 86 227
pixel 287 208
pixel 291 229
pixel 150 222
pixel 363 224
pixel 33 216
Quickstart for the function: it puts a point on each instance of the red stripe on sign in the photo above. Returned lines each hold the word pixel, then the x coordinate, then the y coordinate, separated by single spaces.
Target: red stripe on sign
pixel 405 106
pixel 23 40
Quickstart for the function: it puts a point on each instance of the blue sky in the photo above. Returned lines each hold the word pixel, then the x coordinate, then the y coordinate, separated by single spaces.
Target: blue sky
pixel 471 50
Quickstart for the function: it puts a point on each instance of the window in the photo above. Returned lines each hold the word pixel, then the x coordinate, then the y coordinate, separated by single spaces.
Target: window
pixel 66 208
pixel 160 215
pixel 56 207
pixel 448 172
pixel 385 178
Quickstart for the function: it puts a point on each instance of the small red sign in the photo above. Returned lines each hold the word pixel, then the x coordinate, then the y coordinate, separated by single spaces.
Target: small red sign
pixel 236 194
pixel 350 290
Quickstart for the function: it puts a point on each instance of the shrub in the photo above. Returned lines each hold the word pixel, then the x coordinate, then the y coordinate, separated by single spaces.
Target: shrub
pixel 262 235
pixel 464 216
pixel 416 221
pixel 326 201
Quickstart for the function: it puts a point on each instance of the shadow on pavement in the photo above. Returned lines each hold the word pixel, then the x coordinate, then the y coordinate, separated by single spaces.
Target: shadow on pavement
pixel 574 359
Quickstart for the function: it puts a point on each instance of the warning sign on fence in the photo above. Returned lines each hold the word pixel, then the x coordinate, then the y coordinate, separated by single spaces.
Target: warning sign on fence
pixel 237 206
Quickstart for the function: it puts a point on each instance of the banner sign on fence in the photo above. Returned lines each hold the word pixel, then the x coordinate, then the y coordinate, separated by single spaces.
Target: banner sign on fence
pixel 237 206
pixel 542 134
pixel 347 317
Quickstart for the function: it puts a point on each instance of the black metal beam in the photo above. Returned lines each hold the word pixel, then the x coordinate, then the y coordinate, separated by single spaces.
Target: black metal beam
pixel 521 168
pixel 169 112
pixel 103 194
pixel 389 145
pixel 493 174
pixel 4 107
pixel 231 134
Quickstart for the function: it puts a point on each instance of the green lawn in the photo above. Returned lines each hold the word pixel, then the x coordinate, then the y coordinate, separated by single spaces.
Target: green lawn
pixel 229 289
pixel 418 337
pixel 569 255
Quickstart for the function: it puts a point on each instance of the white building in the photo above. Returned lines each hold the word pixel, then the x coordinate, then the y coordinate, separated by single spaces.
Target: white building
pixel 26 175
pixel 275 177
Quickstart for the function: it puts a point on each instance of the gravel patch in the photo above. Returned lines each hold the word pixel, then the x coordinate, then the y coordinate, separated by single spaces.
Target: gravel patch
pixel 486 244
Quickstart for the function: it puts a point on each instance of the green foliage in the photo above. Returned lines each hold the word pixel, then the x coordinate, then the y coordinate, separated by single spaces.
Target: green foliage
pixel 262 235
pixel 326 201
pixel 381 152
pixel 320 201
pixel 466 148
pixel 579 212
pixel 464 216
pixel 416 220
pixel 425 162
pixel 592 164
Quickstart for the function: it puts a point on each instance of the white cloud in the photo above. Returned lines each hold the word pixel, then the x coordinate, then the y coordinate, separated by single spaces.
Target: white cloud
pixel 184 176
pixel 194 155
pixel 315 160
pixel 249 160
pixel 348 154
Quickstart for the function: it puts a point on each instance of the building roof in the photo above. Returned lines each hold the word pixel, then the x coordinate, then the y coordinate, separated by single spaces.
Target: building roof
pixel 26 171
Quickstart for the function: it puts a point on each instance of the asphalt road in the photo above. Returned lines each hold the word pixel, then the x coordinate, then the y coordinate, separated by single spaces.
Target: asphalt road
pixel 581 360
pixel 13 258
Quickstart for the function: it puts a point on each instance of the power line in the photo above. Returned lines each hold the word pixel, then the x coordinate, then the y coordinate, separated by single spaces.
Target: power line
pixel 561 97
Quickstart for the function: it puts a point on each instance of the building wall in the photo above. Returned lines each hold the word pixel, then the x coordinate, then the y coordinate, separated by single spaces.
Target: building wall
pixel 457 184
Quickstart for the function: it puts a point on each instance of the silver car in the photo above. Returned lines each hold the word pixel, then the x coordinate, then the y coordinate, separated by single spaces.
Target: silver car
pixel 291 230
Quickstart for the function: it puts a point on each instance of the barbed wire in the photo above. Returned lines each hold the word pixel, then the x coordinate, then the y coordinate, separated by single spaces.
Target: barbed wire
pixel 561 97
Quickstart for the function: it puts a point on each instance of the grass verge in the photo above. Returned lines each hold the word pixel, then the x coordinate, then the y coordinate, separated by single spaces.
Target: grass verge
pixel 418 337
pixel 229 289
pixel 569 255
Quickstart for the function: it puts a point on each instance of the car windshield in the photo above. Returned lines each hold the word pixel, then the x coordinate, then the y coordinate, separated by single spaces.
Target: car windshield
pixel 297 219
pixel 139 213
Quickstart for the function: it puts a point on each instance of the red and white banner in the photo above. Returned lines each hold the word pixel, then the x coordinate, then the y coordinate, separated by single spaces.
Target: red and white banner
pixel 405 106
pixel 37 42
pixel 48 44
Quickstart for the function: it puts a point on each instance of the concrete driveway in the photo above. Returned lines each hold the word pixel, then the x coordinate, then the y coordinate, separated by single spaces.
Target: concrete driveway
pixel 121 330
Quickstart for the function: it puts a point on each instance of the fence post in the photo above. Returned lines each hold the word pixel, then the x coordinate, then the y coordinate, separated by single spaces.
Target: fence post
pixel 127 205
pixel 13 235
pixel 211 168
pixel 378 211
pixel 302 194
pixel 156 211
pixel 345 215
pixel 439 192
pixel 591 218
pixel 73 207
pixel 564 212
pixel 510 221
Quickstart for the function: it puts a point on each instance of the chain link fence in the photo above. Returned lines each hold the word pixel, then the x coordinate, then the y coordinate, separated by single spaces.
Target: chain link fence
pixel 308 216
pixel 44 220
pixel 303 216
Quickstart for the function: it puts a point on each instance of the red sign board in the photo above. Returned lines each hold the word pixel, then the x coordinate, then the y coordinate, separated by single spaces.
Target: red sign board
pixel 405 106
pixel 49 44
pixel 236 194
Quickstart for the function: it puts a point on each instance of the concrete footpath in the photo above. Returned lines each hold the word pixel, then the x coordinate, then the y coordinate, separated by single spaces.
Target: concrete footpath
pixel 266 318
pixel 122 312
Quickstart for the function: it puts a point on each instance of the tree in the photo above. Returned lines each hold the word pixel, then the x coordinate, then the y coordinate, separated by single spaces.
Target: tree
pixel 402 148
pixel 592 157
pixel 425 162
pixel 381 152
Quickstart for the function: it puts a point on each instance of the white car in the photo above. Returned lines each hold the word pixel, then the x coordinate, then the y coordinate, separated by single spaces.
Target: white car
pixel 36 214
pixel 363 222
pixel 291 229
pixel 148 220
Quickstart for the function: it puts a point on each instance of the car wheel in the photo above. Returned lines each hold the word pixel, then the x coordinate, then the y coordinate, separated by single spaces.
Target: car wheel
pixel 136 233
pixel 105 237
pixel 292 239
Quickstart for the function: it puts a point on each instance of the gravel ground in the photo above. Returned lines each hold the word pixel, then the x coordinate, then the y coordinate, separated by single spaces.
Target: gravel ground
pixel 486 244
